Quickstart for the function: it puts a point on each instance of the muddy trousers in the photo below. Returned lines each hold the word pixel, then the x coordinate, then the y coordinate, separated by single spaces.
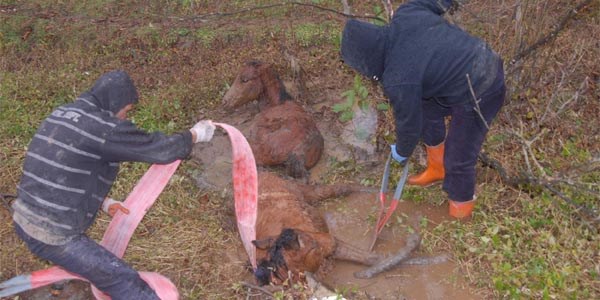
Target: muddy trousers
pixel 85 257
pixel 463 141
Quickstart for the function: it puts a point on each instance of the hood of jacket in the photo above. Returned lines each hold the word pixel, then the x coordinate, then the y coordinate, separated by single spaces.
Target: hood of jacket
pixel 113 91
pixel 363 47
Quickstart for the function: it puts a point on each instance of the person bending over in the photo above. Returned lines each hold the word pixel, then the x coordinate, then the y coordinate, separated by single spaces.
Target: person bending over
pixel 427 68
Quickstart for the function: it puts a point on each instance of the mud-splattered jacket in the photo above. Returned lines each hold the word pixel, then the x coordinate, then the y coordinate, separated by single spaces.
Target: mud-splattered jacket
pixel 418 56
pixel 74 157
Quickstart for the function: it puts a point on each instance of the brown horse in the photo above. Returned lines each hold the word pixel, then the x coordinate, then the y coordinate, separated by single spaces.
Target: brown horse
pixel 282 133
pixel 291 236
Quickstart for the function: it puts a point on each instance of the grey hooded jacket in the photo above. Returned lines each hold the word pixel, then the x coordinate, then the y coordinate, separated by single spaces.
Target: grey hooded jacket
pixel 74 157
pixel 420 56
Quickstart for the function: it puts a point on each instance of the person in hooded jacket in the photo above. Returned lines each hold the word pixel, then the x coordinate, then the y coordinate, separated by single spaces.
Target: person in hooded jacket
pixel 428 68
pixel 70 166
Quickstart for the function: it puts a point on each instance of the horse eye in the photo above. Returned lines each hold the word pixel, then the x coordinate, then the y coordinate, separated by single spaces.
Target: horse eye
pixel 244 80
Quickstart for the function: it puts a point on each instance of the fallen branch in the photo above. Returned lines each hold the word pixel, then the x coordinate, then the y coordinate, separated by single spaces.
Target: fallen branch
pixel 528 151
pixel 258 288
pixel 527 179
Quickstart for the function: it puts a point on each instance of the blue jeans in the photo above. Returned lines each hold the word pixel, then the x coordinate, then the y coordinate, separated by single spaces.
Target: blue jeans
pixel 85 257
pixel 464 138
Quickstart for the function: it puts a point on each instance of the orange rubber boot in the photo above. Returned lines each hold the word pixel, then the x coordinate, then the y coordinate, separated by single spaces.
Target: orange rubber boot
pixel 461 210
pixel 435 167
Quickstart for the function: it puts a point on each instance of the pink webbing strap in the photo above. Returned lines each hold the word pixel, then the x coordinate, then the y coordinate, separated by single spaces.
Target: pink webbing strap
pixel 121 228
pixel 115 239
pixel 143 196
pixel 245 189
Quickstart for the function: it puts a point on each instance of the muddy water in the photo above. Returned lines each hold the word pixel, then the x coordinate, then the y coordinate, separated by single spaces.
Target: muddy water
pixel 353 220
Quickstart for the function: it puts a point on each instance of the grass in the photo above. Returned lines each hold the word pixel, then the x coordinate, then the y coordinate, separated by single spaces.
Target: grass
pixel 520 244
pixel 316 34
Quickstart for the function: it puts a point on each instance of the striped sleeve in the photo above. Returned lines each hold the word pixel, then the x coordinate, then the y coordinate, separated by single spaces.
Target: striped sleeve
pixel 126 142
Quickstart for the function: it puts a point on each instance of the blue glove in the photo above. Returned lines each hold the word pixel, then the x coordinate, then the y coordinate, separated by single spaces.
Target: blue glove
pixel 396 156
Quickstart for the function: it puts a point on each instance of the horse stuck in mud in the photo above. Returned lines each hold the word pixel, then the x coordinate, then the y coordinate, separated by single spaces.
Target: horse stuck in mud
pixel 292 239
pixel 282 133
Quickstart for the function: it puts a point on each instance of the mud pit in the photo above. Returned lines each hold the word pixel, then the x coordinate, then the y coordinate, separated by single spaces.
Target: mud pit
pixel 352 218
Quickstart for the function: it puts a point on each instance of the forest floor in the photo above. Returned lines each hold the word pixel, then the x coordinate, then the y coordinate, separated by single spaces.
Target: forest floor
pixel 534 233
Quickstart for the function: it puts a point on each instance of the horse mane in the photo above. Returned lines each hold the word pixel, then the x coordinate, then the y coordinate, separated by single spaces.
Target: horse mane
pixel 288 239
pixel 270 71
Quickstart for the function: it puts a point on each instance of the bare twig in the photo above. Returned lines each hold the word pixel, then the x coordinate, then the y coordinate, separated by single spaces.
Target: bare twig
pixel 256 287
pixel 526 156
pixel 255 8
pixel 476 103
pixel 558 86
pixel 528 151
pixel 528 179
pixel 387 4
pixel 579 185
pixel 460 5
pixel 591 212
pixel 575 62
pixel 552 34
pixel 346 7
pixel 518 26
pixel 573 99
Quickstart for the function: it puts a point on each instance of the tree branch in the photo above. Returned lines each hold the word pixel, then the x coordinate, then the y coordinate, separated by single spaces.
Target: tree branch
pixel 255 8
pixel 346 7
pixel 387 4
pixel 476 102
pixel 258 288
pixel 552 34
pixel 528 179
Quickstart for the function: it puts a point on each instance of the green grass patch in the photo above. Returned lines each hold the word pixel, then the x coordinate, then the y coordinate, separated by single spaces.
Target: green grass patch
pixel 316 34
pixel 532 249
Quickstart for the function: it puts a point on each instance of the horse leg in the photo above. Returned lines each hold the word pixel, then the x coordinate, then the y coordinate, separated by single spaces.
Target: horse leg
pixel 345 251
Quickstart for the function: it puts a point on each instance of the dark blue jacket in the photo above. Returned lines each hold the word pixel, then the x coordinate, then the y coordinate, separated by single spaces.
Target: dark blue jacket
pixel 74 158
pixel 418 56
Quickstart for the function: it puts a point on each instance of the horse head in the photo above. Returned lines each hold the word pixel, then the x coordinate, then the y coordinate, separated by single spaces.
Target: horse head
pixel 293 251
pixel 255 81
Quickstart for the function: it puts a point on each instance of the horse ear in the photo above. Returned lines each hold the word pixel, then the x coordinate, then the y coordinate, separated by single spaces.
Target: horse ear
pixel 290 239
pixel 254 63
pixel 264 244
pixel 266 67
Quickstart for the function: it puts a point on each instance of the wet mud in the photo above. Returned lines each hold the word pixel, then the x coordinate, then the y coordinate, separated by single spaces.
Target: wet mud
pixel 353 222
pixel 69 290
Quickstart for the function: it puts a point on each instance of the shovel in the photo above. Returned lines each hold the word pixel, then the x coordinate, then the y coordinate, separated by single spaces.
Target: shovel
pixel 385 214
